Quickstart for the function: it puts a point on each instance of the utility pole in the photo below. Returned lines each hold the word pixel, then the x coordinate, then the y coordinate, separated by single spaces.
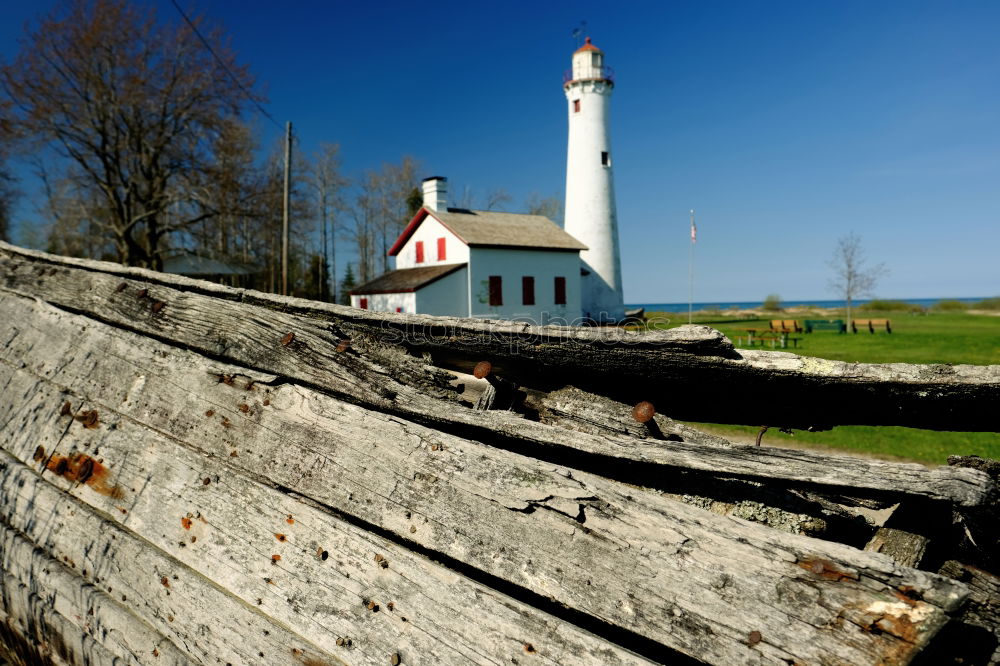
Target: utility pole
pixel 284 217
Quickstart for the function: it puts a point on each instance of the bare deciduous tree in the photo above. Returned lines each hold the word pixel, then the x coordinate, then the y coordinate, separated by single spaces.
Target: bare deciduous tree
pixel 133 104
pixel 328 184
pixel 852 276
pixel 550 207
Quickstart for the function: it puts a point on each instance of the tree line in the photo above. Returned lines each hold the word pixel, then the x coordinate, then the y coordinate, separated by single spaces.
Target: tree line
pixel 140 132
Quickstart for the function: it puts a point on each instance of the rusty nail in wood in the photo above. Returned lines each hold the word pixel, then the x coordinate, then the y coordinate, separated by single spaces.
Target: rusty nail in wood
pixel 275 559
pixel 206 481
pixel 760 435
pixel 643 412
pixel 65 409
pixel 85 470
pixel 61 467
pixel 754 638
pixel 340 641
pixel 39 453
pixel 287 340
pixel 122 287
pixel 157 306
pixel 343 345
pixel 390 605
pixel 141 293
pixel 89 419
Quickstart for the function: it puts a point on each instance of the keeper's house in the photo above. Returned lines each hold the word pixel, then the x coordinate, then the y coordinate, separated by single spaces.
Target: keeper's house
pixel 473 263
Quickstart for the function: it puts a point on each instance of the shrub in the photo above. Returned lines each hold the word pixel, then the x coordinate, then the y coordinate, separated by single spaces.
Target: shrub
pixel 884 305
pixel 989 303
pixel 772 303
pixel 950 305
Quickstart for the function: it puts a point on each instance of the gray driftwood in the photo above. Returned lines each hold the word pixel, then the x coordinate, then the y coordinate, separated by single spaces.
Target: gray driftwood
pixel 161 421
pixel 261 332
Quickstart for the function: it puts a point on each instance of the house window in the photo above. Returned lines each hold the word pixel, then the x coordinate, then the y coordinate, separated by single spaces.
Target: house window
pixel 496 290
pixel 560 291
pixel 605 158
pixel 364 303
pixel 528 290
pixel 441 251
pixel 576 106
pixel 420 252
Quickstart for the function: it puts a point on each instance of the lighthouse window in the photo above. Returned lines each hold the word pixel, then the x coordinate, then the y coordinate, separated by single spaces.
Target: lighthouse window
pixel 605 158
pixel 576 106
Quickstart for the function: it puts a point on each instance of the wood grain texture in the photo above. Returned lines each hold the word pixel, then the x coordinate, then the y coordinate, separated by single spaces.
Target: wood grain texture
pixel 671 573
pixel 380 376
pixel 294 562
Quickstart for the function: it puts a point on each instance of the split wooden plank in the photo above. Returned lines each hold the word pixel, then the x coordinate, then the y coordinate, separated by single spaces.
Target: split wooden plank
pixel 672 573
pixel 306 350
pixel 309 571
pixel 680 369
pixel 37 585
pixel 310 350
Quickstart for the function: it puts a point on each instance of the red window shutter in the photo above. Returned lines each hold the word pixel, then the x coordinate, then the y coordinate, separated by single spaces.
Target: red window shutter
pixel 528 290
pixel 496 290
pixel 441 252
pixel 560 291
pixel 420 252
pixel 364 303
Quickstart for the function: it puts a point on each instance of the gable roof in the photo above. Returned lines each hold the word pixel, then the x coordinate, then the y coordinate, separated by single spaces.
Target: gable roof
pixel 406 279
pixel 487 228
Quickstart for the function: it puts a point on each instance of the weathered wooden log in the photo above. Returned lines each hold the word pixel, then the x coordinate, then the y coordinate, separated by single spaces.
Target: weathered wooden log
pixel 680 370
pixel 979 621
pixel 640 567
pixel 369 372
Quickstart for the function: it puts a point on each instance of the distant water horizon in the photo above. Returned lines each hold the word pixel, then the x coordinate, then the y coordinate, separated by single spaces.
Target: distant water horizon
pixel 753 305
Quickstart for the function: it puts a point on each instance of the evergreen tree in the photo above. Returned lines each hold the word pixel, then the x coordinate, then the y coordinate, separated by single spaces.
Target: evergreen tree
pixel 346 285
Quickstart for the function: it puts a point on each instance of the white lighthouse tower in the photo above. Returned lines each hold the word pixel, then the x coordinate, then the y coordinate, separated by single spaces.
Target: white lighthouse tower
pixel 590 189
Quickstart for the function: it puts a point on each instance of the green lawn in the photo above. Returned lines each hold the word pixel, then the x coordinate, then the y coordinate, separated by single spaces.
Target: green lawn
pixel 935 337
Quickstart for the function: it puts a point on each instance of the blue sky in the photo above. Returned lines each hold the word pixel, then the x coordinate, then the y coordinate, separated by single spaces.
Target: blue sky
pixel 784 124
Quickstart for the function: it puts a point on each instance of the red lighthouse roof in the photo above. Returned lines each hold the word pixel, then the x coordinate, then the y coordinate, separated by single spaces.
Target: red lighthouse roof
pixel 587 46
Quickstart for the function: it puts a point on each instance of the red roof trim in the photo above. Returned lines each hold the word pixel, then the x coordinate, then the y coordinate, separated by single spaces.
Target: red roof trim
pixel 407 232
pixel 411 228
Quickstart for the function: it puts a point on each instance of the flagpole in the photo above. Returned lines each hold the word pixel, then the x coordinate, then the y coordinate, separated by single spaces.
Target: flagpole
pixel 691 269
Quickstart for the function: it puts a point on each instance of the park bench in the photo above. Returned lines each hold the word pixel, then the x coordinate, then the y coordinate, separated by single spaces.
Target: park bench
pixel 825 325
pixel 871 324
pixel 785 326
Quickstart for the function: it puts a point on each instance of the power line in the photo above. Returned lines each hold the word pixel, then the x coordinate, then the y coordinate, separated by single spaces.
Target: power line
pixel 224 65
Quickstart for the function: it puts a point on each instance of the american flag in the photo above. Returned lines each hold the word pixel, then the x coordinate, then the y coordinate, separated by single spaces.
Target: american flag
pixel 694 229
